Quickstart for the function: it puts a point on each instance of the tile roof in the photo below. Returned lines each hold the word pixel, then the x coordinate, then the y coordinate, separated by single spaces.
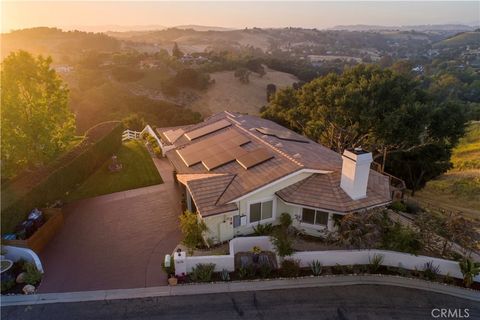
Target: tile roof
pixel 207 191
pixel 289 157
pixel 323 191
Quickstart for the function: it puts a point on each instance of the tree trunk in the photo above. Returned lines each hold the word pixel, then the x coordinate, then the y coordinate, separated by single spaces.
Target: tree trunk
pixel 384 160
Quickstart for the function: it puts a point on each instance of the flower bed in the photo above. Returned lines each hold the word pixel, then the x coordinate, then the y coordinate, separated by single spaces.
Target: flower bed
pixel 291 269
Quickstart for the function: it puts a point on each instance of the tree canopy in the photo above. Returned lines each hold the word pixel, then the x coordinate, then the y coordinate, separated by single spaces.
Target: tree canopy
pixel 37 123
pixel 380 110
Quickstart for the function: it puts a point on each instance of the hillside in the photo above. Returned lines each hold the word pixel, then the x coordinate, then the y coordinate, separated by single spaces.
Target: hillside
pixel 459 188
pixel 227 93
pixel 462 39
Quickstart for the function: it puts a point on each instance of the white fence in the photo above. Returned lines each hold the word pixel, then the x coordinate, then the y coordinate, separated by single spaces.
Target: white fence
pixel 130 135
pixel 329 258
pixel 151 132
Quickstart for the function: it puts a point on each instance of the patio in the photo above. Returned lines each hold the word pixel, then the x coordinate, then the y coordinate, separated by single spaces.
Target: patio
pixel 115 241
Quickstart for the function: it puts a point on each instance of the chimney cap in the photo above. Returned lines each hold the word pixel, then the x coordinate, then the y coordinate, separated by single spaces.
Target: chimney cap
pixel 357 150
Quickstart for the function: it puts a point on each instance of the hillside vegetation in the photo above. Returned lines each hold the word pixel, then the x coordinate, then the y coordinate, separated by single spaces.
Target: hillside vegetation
pixel 462 39
pixel 459 188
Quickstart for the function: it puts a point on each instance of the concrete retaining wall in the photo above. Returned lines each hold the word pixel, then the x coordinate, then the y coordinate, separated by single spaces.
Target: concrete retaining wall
pixel 330 258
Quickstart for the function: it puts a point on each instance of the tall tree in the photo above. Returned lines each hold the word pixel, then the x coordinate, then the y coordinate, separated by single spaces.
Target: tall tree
pixel 380 110
pixel 37 123
pixel 176 51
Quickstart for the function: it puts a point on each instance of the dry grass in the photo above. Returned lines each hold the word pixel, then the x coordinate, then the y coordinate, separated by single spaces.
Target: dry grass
pixel 459 189
pixel 229 94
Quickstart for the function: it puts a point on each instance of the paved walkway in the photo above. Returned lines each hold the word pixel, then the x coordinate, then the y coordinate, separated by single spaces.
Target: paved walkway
pixel 115 241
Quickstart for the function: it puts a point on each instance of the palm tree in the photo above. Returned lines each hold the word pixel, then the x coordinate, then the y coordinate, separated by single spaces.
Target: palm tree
pixel 469 270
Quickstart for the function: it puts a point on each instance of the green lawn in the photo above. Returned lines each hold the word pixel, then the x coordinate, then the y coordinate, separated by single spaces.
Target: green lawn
pixel 138 170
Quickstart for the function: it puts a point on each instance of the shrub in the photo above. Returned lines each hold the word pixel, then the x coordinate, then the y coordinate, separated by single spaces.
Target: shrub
pixel 290 268
pixel 169 270
pixel 242 272
pixel 192 229
pixel 285 220
pixel 158 151
pixel 469 270
pixel 282 243
pixel 265 270
pixel 412 207
pixel 8 284
pixel 225 275
pixel 202 272
pixel 375 262
pixel 263 229
pixel 316 267
pixel 403 239
pixel 32 276
pixel 398 206
pixel 430 271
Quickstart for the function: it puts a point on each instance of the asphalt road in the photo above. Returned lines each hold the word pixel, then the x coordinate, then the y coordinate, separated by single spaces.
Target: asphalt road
pixel 366 302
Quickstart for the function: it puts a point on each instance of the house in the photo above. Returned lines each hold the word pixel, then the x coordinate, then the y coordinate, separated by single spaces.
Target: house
pixel 239 171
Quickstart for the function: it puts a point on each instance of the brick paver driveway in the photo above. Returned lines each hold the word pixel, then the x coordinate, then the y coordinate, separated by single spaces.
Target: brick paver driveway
pixel 115 241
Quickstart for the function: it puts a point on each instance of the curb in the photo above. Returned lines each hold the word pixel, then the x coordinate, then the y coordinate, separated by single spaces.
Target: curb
pixel 240 286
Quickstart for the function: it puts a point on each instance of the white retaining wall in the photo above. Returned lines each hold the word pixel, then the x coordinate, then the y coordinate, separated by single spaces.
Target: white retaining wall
pixel 329 258
pixel 236 245
pixel 17 253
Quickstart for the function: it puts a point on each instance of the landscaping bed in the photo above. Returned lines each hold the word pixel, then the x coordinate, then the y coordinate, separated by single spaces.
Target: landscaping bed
pixel 290 269
pixel 22 278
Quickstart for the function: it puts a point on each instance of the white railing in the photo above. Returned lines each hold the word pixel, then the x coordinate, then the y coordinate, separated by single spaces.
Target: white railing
pixel 131 135
pixel 330 258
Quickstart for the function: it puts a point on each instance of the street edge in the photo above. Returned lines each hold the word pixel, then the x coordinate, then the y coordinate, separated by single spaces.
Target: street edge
pixel 240 286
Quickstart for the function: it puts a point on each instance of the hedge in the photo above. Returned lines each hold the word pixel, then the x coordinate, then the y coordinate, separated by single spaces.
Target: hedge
pixel 63 177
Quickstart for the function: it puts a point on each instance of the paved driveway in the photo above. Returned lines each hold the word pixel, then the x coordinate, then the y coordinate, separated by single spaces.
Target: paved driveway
pixel 115 241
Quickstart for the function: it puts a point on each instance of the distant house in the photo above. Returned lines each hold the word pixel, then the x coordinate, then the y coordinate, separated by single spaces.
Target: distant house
pixel 63 69
pixel 239 171
pixel 193 59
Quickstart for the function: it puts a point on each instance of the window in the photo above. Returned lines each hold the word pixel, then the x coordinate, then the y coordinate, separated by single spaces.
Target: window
pixel 261 211
pixel 311 216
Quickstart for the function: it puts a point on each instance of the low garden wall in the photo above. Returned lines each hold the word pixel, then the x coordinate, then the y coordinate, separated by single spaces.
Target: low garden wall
pixel 16 253
pixel 236 245
pixel 329 258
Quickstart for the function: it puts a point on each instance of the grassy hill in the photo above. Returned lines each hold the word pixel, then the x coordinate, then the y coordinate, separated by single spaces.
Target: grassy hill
pixel 459 189
pixel 461 39
pixel 227 93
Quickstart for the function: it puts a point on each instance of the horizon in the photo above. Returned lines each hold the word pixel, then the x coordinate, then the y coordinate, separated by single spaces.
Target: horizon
pixel 71 15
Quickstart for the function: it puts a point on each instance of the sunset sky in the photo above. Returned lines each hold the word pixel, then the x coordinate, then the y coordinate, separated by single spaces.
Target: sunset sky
pixel 239 14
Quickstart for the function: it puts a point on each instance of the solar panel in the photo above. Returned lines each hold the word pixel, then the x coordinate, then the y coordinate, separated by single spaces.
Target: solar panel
pixel 215 151
pixel 200 132
pixel 254 158
pixel 282 134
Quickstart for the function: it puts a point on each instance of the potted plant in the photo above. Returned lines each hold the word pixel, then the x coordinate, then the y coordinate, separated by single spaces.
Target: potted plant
pixel 256 253
pixel 172 280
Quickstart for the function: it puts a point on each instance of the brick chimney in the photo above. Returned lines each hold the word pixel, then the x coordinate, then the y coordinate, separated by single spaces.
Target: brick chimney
pixel 355 172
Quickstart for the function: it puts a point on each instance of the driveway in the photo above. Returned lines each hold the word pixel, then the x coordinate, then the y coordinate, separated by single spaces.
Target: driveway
pixel 115 241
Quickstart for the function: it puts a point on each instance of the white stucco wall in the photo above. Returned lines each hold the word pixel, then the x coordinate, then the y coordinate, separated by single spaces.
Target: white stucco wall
pixel 329 258
pixel 265 195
